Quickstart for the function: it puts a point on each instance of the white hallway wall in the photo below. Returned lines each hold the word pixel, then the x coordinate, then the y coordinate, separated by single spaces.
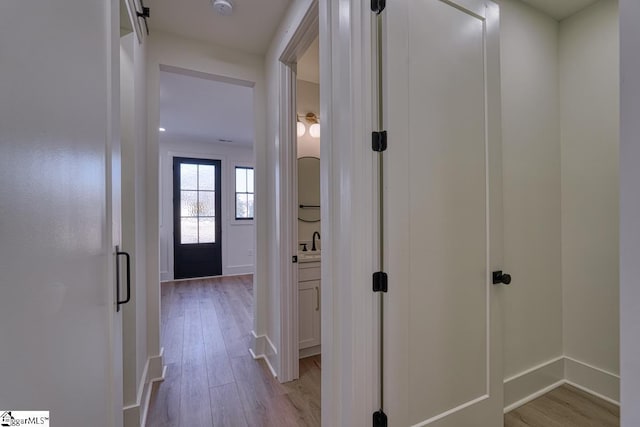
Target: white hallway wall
pixel 589 94
pixel 560 198
pixel 531 185
pixel 237 236
pixel 139 368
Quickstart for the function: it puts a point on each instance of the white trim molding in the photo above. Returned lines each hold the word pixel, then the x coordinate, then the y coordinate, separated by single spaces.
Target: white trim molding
pixel 306 30
pixel 264 349
pixel 533 383
pixel 528 385
pixel 593 380
pixel 136 415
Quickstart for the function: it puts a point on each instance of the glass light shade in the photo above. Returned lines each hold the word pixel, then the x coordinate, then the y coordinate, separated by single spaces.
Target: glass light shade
pixel 301 129
pixel 314 130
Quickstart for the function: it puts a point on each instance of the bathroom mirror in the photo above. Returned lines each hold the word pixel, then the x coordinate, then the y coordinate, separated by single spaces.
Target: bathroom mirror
pixel 309 189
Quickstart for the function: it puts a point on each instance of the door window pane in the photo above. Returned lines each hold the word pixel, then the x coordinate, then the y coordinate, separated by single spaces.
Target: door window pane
pixel 207 228
pixel 188 203
pixel 197 203
pixel 206 177
pixel 188 230
pixel 207 203
pixel 188 177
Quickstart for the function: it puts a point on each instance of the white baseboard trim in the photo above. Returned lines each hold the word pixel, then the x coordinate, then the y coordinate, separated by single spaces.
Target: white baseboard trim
pixel 238 270
pixel 593 380
pixel 522 388
pixel 156 367
pixel 532 383
pixel 263 348
pixel 136 415
pixel 207 277
pixel 309 351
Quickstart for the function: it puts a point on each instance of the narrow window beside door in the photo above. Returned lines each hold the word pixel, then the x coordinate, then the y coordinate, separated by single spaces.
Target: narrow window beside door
pixel 244 193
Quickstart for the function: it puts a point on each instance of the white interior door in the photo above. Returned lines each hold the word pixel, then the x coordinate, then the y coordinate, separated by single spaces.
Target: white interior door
pixel 442 213
pixel 58 87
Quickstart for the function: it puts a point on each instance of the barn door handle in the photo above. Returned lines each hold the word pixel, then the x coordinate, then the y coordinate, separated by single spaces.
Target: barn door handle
pixel 128 260
pixel 501 278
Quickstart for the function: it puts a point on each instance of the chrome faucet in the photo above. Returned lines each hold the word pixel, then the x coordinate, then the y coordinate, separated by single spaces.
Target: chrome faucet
pixel 313 244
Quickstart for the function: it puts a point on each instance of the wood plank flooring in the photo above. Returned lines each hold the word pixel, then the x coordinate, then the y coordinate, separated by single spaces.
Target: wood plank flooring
pixel 566 406
pixel 211 378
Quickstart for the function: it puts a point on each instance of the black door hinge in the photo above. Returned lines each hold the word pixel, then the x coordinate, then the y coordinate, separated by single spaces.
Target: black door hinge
pixel 378 6
pixel 146 13
pixel 380 281
pixel 379 141
pixel 294 259
pixel 379 419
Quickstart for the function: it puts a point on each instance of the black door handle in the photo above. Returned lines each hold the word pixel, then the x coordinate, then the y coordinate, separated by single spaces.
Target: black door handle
pixel 501 278
pixel 128 259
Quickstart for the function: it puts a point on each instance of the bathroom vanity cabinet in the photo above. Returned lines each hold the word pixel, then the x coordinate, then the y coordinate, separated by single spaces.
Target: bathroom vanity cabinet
pixel 309 308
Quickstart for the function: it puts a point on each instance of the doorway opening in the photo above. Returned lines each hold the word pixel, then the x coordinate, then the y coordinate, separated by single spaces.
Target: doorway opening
pixel 300 129
pixel 308 228
pixel 206 139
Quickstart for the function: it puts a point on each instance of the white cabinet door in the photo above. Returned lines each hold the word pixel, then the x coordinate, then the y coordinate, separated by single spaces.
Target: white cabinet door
pixel 309 313
pixel 60 332
pixel 442 214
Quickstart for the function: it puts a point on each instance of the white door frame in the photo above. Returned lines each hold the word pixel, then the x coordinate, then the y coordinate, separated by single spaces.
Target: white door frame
pixel 350 385
pixel 302 38
pixel 350 380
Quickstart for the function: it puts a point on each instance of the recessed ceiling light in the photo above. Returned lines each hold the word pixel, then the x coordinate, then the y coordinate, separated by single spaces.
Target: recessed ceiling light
pixel 161 129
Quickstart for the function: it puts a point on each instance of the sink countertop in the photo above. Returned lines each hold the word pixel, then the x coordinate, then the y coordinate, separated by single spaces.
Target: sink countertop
pixel 309 256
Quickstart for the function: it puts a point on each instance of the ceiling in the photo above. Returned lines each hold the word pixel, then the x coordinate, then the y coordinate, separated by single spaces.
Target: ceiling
pixel 309 64
pixel 250 28
pixel 198 109
pixel 559 9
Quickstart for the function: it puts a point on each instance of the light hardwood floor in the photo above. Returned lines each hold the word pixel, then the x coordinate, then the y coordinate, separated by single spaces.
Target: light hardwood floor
pixel 565 406
pixel 211 379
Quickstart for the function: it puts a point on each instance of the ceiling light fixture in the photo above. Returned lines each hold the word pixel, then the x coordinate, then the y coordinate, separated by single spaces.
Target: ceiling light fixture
pixel 300 127
pixel 314 129
pixel 222 7
pixel 162 129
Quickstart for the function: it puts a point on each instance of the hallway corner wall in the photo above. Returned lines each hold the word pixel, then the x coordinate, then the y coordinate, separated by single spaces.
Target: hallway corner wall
pixel 589 100
pixel 532 200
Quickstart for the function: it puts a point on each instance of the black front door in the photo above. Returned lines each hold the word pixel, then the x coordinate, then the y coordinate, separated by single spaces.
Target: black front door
pixel 197 246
